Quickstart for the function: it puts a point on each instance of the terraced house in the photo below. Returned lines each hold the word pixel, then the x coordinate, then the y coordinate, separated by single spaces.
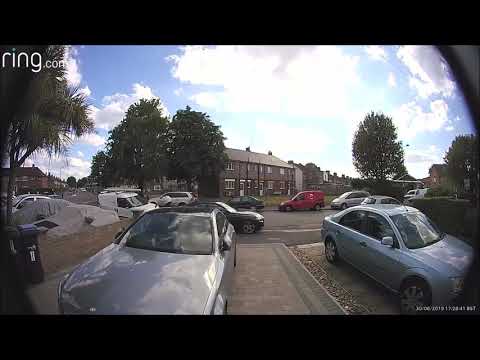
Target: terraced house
pixel 252 173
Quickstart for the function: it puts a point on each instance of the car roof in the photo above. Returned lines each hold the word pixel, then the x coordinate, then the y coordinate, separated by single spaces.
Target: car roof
pixel 203 211
pixel 380 197
pixel 387 209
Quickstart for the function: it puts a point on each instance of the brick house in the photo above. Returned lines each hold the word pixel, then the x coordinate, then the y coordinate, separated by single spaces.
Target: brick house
pixel 252 173
pixel 437 175
pixel 26 178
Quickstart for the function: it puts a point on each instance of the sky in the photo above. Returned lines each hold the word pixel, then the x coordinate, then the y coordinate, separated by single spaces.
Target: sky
pixel 303 103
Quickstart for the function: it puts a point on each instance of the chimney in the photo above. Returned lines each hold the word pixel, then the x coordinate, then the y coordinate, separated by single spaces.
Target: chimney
pixel 290 162
pixel 33 165
pixel 247 149
pixel 270 153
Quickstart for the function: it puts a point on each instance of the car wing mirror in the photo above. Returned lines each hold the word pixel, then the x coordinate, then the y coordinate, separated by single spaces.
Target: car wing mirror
pixel 387 241
pixel 226 243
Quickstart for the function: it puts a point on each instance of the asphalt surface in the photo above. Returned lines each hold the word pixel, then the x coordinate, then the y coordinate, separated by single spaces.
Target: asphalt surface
pixel 81 197
pixel 292 228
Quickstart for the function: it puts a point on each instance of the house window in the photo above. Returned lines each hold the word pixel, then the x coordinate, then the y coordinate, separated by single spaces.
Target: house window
pixel 157 187
pixel 230 166
pixel 248 167
pixel 270 185
pixel 261 168
pixel 282 185
pixel 269 170
pixel 229 184
pixel 282 171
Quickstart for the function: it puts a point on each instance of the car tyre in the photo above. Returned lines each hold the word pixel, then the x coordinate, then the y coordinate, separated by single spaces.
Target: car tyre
pixel 414 292
pixel 248 227
pixel 344 206
pixel 288 208
pixel 317 207
pixel 331 253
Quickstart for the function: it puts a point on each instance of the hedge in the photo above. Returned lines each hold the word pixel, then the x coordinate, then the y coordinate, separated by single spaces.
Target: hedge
pixel 376 187
pixel 453 216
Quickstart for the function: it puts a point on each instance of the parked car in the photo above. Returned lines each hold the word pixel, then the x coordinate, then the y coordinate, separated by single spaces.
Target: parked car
pixel 177 198
pixel 380 199
pixel 402 249
pixel 246 202
pixel 349 199
pixel 23 200
pixel 414 194
pixel 168 261
pixel 246 222
pixel 125 204
pixel 311 200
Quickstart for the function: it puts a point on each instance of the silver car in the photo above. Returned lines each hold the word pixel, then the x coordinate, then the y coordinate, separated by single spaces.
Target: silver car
pixel 169 261
pixel 380 199
pixel 402 249
pixel 177 198
pixel 349 199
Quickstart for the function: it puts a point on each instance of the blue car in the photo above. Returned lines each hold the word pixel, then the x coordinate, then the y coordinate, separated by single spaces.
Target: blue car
pixel 399 247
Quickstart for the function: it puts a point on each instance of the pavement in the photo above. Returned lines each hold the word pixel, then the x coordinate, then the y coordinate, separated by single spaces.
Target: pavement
pixel 270 280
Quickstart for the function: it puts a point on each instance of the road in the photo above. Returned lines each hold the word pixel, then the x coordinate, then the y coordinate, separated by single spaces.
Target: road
pixel 292 228
pixel 81 197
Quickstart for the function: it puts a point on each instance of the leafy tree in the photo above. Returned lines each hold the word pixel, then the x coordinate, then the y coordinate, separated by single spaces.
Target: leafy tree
pixel 195 149
pixel 51 113
pixel 376 152
pixel 100 171
pixel 82 182
pixel 71 181
pixel 462 160
pixel 136 147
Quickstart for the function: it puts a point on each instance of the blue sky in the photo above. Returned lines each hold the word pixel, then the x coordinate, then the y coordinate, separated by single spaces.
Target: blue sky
pixel 302 103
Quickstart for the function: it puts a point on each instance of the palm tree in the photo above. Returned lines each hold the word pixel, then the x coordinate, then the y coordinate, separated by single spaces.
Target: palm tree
pixel 52 113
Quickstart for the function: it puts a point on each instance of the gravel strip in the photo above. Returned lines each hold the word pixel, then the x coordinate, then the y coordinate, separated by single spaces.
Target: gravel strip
pixel 343 296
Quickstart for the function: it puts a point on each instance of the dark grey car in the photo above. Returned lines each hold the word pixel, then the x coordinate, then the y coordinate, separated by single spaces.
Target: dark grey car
pixel 169 261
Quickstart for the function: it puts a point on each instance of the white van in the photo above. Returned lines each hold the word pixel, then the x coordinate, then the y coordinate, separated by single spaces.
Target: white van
pixel 125 204
pixel 414 194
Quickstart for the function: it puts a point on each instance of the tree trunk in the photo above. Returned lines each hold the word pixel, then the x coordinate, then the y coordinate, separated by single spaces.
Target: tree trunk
pixel 11 183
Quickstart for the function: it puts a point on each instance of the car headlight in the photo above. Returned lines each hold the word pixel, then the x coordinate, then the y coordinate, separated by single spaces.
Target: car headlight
pixel 282 203
pixel 457 284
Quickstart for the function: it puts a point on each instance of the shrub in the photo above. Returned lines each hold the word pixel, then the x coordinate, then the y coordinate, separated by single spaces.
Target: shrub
pixel 376 187
pixel 453 216
pixel 438 191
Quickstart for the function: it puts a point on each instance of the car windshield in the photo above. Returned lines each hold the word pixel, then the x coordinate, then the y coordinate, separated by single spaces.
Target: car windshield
pixel 369 201
pixel 417 230
pixel 171 233
pixel 343 196
pixel 137 200
pixel 227 207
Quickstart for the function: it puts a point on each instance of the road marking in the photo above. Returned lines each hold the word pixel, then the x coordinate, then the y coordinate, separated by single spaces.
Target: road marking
pixel 291 230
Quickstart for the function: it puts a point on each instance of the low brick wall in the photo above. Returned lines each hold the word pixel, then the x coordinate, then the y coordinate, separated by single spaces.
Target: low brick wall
pixel 58 253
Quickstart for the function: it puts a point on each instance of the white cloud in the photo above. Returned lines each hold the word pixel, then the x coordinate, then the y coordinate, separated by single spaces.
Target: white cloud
pixel 449 128
pixel 376 52
pixel 418 161
pixel 410 118
pixel 391 80
pixel 429 72
pixel 114 106
pixel 309 80
pixel 60 166
pixel 178 91
pixel 73 75
pixel 79 153
pixel 86 91
pixel 91 139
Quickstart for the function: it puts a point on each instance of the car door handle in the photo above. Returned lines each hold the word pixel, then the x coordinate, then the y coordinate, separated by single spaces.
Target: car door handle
pixel 363 243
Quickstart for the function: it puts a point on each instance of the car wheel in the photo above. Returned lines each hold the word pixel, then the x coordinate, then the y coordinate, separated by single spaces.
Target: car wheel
pixel 248 227
pixel 414 293
pixel 288 208
pixel 331 251
pixel 344 206
pixel 317 207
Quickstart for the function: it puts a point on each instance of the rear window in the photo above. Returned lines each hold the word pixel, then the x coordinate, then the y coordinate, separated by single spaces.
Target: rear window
pixel 177 195
pixel 171 233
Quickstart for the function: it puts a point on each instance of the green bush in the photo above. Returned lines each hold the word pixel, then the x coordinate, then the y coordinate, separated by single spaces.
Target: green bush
pixel 375 187
pixel 453 216
pixel 438 191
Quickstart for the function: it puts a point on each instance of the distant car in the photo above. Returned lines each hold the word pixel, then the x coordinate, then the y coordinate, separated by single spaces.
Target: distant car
pixel 414 194
pixel 23 200
pixel 304 200
pixel 175 198
pixel 349 199
pixel 83 189
pixel 243 221
pixel 55 196
pixel 379 199
pixel 246 202
pixel 402 249
pixel 125 204
pixel 169 261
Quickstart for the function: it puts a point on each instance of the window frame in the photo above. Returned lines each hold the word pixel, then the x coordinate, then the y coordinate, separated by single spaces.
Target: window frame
pixel 231 181
pixel 270 182
pixel 362 224
pixel 269 169
pixel 230 166
pixel 282 171
pixel 366 229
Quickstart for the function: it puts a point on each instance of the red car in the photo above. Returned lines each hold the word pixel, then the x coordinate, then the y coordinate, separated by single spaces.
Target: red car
pixel 313 200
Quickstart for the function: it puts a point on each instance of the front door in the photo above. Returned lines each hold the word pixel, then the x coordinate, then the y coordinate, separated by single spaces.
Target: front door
pixel 242 187
pixel 261 188
pixel 299 202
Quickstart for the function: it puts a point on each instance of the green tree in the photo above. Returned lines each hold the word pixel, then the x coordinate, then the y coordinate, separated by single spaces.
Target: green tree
pixel 136 147
pixel 100 171
pixel 51 113
pixel 462 160
pixel 71 181
pixel 82 182
pixel 196 150
pixel 377 154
